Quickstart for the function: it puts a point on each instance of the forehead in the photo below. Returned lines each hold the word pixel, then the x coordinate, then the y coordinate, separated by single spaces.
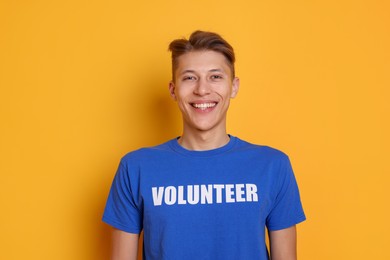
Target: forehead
pixel 202 61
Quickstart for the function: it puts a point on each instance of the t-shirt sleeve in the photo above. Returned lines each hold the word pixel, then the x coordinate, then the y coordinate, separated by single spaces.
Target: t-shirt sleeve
pixel 287 207
pixel 123 209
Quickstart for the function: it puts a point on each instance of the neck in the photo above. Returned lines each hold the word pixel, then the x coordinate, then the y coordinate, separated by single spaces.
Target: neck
pixel 203 140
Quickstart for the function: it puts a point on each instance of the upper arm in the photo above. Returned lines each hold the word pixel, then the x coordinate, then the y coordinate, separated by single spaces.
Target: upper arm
pixel 283 244
pixel 124 245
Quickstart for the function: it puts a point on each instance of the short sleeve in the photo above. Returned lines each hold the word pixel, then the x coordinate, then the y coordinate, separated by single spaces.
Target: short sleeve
pixel 122 209
pixel 287 207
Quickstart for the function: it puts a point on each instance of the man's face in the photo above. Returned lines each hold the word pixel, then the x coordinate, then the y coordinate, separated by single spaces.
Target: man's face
pixel 203 87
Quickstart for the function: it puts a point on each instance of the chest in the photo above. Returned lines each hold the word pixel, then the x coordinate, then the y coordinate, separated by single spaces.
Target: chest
pixel 240 190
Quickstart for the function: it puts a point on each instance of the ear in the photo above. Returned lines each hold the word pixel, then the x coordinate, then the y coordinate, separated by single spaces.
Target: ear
pixel 172 89
pixel 235 87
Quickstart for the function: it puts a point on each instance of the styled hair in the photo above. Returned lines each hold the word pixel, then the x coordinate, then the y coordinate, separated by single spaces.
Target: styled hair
pixel 201 41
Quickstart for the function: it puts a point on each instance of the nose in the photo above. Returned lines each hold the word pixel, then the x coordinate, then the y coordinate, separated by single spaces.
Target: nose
pixel 202 87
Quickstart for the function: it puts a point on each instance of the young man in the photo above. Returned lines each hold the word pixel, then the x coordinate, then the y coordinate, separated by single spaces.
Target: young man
pixel 205 194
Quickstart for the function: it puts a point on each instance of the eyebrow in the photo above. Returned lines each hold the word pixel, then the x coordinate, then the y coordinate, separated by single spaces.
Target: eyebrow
pixel 187 71
pixel 216 70
pixel 193 71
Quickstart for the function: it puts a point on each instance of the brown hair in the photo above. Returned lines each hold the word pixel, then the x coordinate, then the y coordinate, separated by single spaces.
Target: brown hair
pixel 201 41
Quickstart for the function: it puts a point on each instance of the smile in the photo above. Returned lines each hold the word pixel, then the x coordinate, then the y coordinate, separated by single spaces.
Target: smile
pixel 204 106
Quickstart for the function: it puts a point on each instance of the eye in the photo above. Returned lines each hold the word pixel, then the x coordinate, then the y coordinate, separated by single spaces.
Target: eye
pixel 216 77
pixel 189 78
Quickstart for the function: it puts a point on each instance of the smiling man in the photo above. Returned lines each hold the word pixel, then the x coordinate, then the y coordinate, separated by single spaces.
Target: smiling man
pixel 203 85
pixel 204 194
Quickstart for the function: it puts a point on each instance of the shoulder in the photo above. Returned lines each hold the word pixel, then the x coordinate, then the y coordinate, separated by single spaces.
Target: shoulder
pixel 148 153
pixel 263 151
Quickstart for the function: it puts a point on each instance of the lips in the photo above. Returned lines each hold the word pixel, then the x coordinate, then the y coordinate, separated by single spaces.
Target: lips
pixel 204 106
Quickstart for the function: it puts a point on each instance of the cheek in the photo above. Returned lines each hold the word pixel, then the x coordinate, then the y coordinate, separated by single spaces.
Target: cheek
pixel 183 92
pixel 225 91
pixel 180 99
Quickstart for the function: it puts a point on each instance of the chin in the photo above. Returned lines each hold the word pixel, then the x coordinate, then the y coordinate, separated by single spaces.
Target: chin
pixel 205 127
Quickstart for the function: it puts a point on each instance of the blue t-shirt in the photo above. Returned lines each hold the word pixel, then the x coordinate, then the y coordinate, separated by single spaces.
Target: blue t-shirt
pixel 204 204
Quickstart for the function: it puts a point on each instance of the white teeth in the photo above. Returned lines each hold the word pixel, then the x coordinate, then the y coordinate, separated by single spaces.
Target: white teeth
pixel 203 106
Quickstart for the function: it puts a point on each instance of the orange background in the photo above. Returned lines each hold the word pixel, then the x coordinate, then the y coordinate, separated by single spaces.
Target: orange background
pixel 84 82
